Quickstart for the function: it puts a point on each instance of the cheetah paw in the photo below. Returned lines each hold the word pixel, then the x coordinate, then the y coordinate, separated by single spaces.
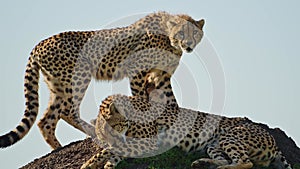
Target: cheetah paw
pixel 88 166
pixel 203 162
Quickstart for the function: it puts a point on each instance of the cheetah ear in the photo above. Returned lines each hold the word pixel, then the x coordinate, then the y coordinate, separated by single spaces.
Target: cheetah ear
pixel 112 109
pixel 200 23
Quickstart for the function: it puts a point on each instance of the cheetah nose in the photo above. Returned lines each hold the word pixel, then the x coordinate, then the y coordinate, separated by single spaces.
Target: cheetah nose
pixel 189 49
pixel 189 43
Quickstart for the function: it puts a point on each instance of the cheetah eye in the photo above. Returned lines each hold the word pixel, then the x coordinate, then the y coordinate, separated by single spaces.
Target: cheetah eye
pixel 195 32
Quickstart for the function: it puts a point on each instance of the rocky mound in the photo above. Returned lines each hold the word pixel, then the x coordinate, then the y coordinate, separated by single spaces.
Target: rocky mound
pixel 76 153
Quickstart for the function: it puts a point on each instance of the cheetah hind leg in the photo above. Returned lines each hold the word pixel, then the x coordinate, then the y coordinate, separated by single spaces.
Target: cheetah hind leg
pixel 71 115
pixel 238 155
pixel 105 157
pixel 247 165
pixel 77 122
pixel 48 122
pixel 73 99
pixel 217 158
pixel 239 161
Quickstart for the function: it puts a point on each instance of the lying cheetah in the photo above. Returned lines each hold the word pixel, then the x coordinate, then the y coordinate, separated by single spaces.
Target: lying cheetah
pixel 70 60
pixel 133 127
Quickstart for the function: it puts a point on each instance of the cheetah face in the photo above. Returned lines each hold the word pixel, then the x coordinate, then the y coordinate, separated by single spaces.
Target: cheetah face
pixel 185 35
pixel 112 127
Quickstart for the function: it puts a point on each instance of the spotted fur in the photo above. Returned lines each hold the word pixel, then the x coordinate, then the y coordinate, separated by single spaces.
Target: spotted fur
pixel 69 61
pixel 151 127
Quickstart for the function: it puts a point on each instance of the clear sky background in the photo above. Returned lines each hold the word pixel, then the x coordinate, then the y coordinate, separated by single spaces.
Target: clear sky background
pixel 257 43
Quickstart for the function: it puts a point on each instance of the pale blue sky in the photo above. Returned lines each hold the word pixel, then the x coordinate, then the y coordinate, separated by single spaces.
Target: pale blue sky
pixel 257 43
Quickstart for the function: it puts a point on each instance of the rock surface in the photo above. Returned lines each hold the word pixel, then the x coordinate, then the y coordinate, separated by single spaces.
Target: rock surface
pixel 76 153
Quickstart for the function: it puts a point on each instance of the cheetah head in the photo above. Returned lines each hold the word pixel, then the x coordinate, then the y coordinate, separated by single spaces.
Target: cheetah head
pixel 112 126
pixel 184 32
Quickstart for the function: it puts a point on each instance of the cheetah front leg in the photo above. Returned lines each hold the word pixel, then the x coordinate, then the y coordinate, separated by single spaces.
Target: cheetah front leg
pixel 137 85
pixel 105 157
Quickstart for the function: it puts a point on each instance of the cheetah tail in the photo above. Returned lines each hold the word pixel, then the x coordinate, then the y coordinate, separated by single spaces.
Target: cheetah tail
pixel 31 105
pixel 281 162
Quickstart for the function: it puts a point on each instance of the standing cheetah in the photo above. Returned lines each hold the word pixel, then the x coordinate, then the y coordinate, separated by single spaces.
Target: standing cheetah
pixel 70 60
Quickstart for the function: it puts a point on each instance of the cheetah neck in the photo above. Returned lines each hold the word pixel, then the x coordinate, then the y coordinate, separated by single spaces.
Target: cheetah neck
pixel 155 23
